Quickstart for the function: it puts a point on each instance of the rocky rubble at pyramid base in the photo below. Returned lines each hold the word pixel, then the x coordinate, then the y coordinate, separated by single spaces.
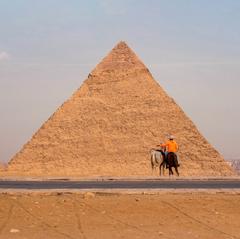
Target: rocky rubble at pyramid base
pixel 119 169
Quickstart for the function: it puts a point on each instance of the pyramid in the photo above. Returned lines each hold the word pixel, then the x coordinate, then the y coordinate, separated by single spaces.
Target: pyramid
pixel 2 167
pixel 109 125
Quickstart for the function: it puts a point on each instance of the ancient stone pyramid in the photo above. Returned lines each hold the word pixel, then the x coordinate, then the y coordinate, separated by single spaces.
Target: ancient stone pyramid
pixel 109 125
pixel 2 167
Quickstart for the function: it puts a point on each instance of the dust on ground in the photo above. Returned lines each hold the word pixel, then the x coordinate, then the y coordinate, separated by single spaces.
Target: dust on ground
pixel 90 215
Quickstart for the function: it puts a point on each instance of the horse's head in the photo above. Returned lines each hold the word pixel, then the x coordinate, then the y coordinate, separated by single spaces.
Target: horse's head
pixel 153 150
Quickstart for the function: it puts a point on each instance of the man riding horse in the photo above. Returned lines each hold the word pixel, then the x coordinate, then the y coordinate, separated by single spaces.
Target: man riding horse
pixel 171 149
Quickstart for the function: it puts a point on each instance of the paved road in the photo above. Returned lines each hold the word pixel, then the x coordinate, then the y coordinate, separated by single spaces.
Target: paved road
pixel 121 184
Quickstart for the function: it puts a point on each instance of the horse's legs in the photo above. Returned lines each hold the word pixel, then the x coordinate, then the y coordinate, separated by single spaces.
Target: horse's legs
pixel 161 166
pixel 176 164
pixel 176 169
pixel 152 164
pixel 169 161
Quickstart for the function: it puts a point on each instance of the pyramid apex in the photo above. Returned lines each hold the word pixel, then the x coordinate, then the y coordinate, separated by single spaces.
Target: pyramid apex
pixel 123 47
pixel 122 44
pixel 120 57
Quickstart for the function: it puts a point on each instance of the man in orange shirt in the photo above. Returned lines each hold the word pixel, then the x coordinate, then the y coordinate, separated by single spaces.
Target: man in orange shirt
pixel 171 147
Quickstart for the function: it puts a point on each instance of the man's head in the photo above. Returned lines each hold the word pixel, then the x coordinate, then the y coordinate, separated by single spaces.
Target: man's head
pixel 171 137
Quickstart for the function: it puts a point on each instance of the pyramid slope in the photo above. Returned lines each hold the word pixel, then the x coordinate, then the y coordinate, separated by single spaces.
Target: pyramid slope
pixel 2 167
pixel 109 125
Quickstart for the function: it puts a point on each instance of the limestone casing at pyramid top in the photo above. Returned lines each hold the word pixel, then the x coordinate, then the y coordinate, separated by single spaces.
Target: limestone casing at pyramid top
pixel 121 57
pixel 121 64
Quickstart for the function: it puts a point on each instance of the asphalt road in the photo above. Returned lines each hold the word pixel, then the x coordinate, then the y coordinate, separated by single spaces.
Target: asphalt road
pixel 122 184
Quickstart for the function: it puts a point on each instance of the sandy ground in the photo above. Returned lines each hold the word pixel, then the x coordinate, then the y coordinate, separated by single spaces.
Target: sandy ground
pixel 88 215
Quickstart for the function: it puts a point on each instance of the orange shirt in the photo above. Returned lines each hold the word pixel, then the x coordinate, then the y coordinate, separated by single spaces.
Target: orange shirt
pixel 171 146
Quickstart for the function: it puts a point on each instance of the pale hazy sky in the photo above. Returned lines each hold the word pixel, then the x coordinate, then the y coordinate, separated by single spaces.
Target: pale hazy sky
pixel 48 47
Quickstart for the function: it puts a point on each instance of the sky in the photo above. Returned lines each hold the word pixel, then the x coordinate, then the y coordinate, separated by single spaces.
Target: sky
pixel 48 47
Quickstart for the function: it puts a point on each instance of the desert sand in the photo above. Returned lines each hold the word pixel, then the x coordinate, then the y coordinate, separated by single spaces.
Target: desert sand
pixel 172 215
pixel 109 125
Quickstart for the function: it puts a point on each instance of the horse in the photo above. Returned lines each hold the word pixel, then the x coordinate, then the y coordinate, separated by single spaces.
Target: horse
pixel 172 162
pixel 158 160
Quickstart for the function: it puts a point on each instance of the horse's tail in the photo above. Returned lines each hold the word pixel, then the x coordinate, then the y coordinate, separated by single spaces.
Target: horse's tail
pixel 152 160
